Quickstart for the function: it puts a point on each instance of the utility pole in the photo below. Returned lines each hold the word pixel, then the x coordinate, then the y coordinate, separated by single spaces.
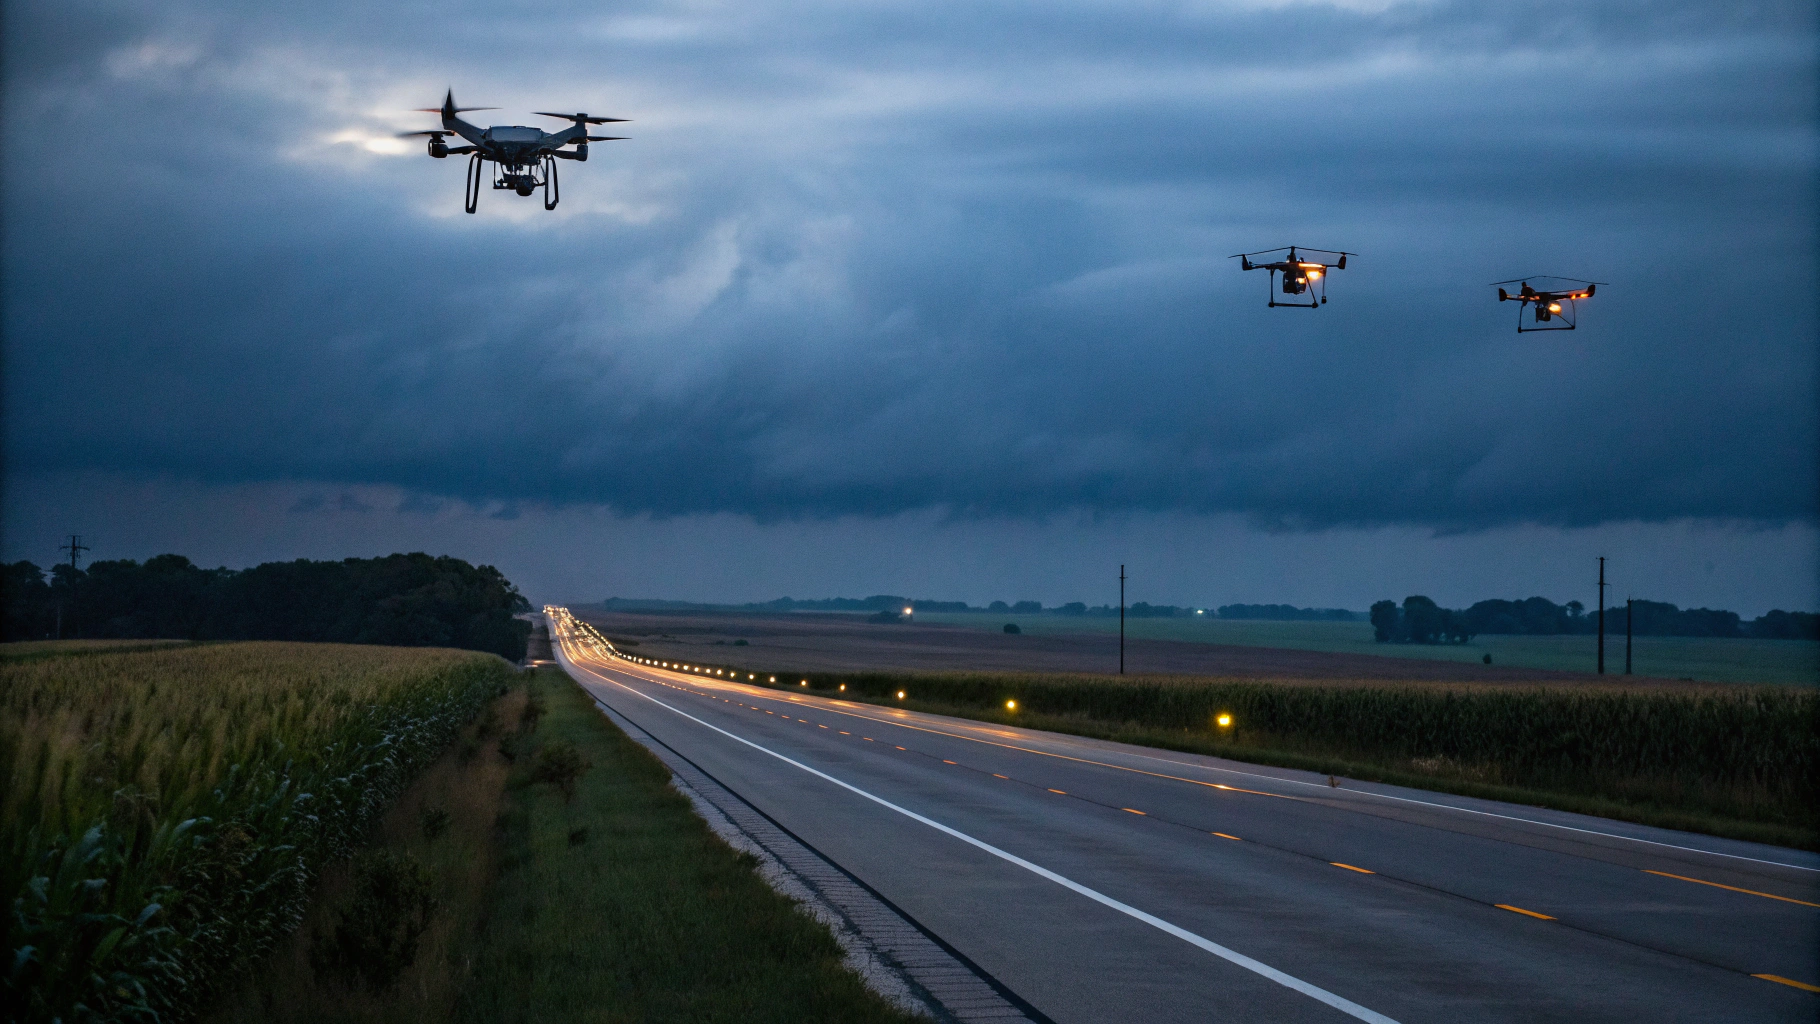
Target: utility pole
pixel 74 547
pixel 1121 619
pixel 1628 603
pixel 1601 614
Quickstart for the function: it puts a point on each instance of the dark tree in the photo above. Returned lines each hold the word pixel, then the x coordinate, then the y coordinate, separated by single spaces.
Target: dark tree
pixel 27 599
pixel 1386 621
pixel 1422 620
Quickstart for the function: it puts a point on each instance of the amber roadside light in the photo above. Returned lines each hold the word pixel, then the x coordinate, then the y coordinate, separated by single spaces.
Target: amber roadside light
pixel 1225 721
pixel 900 695
pixel 805 682
pixel 1011 705
pixel 774 679
pixel 843 687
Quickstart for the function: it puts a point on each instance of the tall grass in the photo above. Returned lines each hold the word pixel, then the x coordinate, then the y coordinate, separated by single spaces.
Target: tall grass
pixel 616 903
pixel 162 812
pixel 1745 753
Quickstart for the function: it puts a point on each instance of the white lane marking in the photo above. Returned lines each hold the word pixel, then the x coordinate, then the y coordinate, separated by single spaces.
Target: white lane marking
pixel 1315 992
pixel 1359 792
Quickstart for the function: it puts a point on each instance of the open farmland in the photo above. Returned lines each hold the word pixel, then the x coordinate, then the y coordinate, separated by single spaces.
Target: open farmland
pixel 1179 646
pixel 1703 659
pixel 165 811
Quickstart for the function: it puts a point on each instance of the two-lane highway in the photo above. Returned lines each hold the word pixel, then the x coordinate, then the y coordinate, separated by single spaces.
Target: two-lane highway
pixel 1103 882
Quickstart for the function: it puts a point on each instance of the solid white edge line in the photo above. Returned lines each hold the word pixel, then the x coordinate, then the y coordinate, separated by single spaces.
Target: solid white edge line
pixel 1402 799
pixel 1315 992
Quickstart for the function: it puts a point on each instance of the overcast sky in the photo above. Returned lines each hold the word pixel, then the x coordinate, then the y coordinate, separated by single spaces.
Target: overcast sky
pixel 927 298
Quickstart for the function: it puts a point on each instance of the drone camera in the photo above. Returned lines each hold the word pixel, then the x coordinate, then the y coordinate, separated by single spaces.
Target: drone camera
pixel 581 152
pixel 438 148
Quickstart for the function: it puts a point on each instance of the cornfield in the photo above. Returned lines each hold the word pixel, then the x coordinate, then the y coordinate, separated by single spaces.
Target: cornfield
pixel 163 812
pixel 1751 753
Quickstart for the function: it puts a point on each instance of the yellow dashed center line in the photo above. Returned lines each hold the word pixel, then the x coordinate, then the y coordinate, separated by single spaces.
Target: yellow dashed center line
pixel 1780 980
pixel 1733 888
pixel 1131 810
pixel 1063 792
pixel 1525 913
pixel 1223 835
pixel 944 760
pixel 1363 871
pixel 844 732
pixel 996 775
pixel 902 748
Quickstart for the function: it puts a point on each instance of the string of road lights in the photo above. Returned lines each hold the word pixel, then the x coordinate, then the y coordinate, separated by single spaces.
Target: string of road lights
pixel 585 634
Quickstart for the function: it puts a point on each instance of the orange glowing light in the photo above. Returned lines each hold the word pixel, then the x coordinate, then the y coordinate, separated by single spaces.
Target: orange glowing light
pixel 1225 721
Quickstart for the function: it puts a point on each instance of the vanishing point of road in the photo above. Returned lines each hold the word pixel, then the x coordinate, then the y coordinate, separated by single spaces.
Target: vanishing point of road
pixel 1106 882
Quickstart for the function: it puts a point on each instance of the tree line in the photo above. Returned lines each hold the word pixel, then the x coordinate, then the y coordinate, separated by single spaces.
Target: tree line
pixel 890 604
pixel 1419 620
pixel 411 600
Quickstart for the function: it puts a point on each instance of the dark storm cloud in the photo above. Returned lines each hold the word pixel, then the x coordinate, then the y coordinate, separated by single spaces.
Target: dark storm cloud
pixel 869 260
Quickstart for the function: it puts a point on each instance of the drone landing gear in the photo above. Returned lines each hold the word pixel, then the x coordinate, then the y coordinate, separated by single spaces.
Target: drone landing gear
pixel 472 194
pixel 552 192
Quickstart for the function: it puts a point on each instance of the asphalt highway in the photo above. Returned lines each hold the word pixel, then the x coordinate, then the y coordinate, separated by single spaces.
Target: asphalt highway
pixel 1105 882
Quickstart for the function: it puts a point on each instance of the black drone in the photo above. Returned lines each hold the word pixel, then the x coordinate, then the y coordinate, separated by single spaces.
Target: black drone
pixel 1301 275
pixel 1549 304
pixel 526 157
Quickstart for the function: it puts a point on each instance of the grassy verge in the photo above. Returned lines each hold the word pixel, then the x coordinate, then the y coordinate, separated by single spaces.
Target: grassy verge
pixel 1740 762
pixel 616 903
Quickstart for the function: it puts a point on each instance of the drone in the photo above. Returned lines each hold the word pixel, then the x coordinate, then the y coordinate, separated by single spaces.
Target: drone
pixel 1301 275
pixel 1548 304
pixel 525 157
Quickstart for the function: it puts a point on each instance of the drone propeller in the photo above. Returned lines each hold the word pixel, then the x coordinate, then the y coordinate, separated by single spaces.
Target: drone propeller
pixel 606 138
pixel 438 133
pixel 1548 277
pixel 580 118
pixel 438 110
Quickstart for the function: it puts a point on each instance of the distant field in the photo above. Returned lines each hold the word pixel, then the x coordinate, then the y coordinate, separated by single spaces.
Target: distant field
pixel 1704 659
pixel 25 650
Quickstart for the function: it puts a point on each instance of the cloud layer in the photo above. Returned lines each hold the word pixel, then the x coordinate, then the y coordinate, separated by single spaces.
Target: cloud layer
pixel 867 260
